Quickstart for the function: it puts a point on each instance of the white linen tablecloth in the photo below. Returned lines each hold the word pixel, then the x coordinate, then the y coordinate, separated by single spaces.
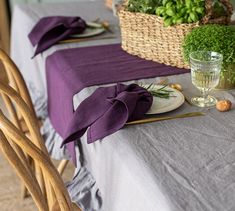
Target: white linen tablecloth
pixel 176 165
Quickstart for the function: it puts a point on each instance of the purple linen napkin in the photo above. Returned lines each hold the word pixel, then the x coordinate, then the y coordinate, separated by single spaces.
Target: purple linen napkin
pixel 67 74
pixel 107 110
pixel 50 30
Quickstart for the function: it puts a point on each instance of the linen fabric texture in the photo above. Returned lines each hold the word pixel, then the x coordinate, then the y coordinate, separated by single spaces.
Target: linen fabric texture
pixel 52 29
pixel 77 68
pixel 107 110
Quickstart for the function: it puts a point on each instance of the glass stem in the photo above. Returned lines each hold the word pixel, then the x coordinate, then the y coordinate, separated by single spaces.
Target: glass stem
pixel 204 93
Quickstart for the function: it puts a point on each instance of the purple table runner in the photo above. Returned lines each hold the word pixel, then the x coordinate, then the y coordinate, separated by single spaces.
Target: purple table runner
pixel 69 71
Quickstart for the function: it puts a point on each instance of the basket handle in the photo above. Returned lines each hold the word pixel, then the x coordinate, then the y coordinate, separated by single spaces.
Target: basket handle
pixel 208 18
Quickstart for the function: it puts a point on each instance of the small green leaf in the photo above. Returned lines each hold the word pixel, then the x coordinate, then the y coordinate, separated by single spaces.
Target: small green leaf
pixel 160 10
pixel 188 3
pixel 169 4
pixel 200 10
pixel 192 16
pixel 170 12
pixel 179 20
pixel 168 22
pixel 164 2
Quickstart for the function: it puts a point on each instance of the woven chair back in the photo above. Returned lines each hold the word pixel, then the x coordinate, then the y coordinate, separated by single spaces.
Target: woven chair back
pixel 44 184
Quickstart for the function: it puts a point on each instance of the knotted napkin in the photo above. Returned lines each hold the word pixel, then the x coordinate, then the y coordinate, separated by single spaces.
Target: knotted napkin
pixel 52 29
pixel 107 110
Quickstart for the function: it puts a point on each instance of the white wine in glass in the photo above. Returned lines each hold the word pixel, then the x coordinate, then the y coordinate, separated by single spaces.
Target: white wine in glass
pixel 205 74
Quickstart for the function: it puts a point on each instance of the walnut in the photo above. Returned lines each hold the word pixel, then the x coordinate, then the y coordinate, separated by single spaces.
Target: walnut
pixel 176 86
pixel 223 105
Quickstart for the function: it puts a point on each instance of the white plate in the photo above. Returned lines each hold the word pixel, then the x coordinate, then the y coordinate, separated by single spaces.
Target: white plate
pixel 162 105
pixel 91 30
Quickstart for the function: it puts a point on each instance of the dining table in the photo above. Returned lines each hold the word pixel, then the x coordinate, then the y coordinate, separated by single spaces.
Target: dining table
pixel 185 164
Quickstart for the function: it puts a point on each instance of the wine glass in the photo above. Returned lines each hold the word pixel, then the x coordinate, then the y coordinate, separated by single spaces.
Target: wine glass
pixel 205 74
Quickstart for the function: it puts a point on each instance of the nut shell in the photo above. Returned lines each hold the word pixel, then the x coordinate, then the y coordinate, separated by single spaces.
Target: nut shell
pixel 176 86
pixel 223 105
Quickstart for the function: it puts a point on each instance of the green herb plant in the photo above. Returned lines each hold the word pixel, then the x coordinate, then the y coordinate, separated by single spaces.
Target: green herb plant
pixel 143 6
pixel 181 11
pixel 218 38
pixel 172 11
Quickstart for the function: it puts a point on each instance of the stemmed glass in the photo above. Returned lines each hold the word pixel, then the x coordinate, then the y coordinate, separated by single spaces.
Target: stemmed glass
pixel 205 74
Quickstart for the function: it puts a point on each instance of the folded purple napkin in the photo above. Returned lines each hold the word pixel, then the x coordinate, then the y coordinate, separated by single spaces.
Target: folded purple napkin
pixel 50 30
pixel 107 110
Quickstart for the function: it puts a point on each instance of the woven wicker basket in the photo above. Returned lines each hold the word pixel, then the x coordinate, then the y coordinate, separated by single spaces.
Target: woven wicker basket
pixel 145 35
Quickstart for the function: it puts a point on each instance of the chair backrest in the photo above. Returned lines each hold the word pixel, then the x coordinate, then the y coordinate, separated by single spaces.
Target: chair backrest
pixel 15 78
pixel 16 81
pixel 15 145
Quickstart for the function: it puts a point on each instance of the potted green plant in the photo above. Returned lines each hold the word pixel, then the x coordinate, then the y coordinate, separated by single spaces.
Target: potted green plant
pixel 155 29
pixel 218 38
pixel 172 12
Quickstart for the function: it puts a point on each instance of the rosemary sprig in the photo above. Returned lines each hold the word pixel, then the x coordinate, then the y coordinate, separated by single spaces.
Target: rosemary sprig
pixel 161 92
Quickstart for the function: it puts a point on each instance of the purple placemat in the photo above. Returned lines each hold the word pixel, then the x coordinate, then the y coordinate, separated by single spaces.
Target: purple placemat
pixel 69 71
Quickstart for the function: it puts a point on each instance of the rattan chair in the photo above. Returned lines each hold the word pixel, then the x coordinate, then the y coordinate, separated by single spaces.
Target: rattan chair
pixel 46 185
pixel 17 82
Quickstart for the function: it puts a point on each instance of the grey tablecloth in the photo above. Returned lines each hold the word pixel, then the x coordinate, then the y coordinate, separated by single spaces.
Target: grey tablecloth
pixel 185 164
pixel 26 16
pixel 83 188
pixel 177 165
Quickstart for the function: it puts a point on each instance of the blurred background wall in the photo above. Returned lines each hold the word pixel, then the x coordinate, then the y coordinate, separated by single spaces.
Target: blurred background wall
pixel 14 2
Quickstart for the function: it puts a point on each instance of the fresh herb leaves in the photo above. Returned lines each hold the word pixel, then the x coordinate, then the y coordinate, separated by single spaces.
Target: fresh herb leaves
pixel 218 38
pixel 161 92
pixel 181 11
pixel 176 11
pixel 144 6
pixel 172 11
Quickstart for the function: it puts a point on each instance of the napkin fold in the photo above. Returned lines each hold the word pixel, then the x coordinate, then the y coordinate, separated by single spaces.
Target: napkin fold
pixel 107 110
pixel 52 29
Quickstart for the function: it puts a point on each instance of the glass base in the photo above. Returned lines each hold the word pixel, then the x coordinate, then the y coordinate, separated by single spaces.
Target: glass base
pixel 209 101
